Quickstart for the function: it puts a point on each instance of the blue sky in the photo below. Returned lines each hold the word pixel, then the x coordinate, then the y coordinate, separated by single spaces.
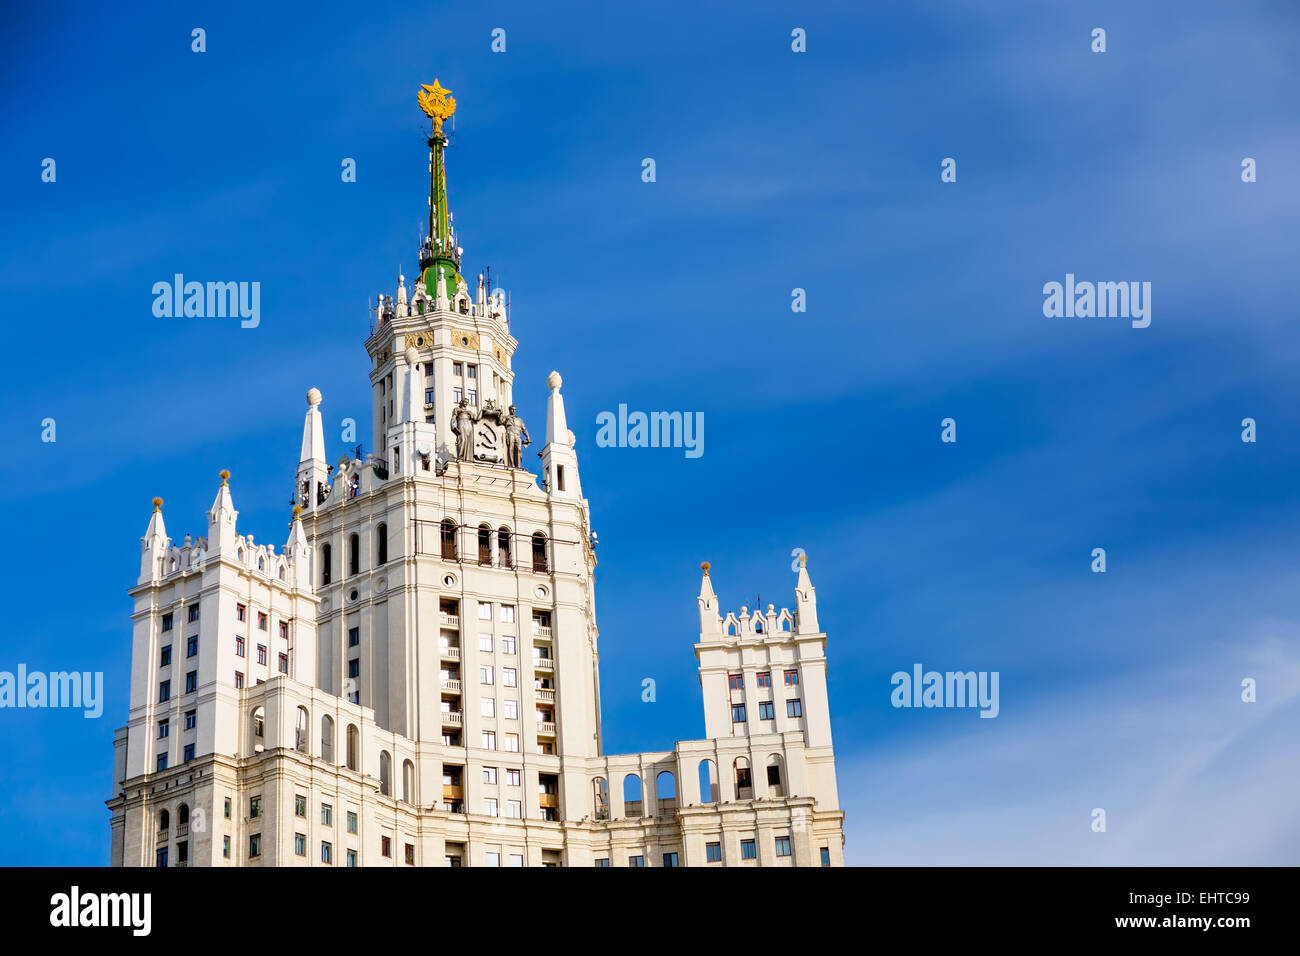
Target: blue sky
pixel 775 170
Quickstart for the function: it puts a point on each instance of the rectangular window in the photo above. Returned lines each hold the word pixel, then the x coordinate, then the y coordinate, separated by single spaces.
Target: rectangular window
pixel 485 643
pixel 239 679
pixel 326 853
pixel 484 611
pixel 326 815
pixel 602 861
pixel 791 678
pixel 254 807
pixel 512 778
pixel 354 667
pixel 508 646
pixel 766 711
pixel 164 691
pixel 239 647
pixel 191 645
pixel 261 620
pixel 515 809
pixel 352 857
pixel 261 653
pixel 793 708
pixel 490 806
pixel 485 674
pixel 713 852
pixel 163 729
pixel 492 858
pixel 512 743
pixel 748 850
pixel 241 612
pixel 471 371
pixel 738 713
pixel 489 740
pixel 636 861
pixel 352 821
pixel 162 762
pixel 509 677
pixel 473 396
pixel 165 658
pixel 188 753
pixel 193 613
pixel 191 719
pixel 410 854
pixel 670 859
pixel 255 845
pixel 225 847
pixel 354 636
pixel 765 679
pixel 428 396
pixel 510 709
pixel 736 681
pixel 300 844
pixel 457 368
pixel 386 846
pixel 167 622
pixel 783 846
pixel 487 707
pixel 226 809
pixel 191 682
pixel 826 856
pixel 456 394
pixel 299 806
pixel 507 614
pixel 490 775
pixel 516 859
pixel 284 663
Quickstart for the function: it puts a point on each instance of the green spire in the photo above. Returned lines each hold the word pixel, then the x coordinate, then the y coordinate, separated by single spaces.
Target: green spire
pixel 438 105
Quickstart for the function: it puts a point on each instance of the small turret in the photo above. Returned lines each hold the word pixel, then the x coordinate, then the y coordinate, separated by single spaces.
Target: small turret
pixel 710 621
pixel 313 473
pixel 154 545
pixel 559 459
pixel 805 598
pixel 221 520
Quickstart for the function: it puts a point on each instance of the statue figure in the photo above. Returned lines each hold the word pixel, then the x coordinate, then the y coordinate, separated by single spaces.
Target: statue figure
pixel 516 438
pixel 462 426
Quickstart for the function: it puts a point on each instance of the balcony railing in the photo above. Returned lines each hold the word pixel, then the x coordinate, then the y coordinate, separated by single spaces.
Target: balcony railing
pixel 544 663
pixel 450 652
pixel 450 620
pixel 542 630
pixel 546 727
pixel 182 830
pixel 546 695
pixel 451 685
pixel 453 717
pixel 163 836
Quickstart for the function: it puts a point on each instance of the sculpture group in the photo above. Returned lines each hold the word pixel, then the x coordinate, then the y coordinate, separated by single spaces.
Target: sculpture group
pixel 493 435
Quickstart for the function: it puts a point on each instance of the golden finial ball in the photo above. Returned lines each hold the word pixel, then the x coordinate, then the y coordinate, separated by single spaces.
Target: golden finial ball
pixel 297 510
pixel 704 566
pixel 225 475
pixel 157 504
pixel 803 559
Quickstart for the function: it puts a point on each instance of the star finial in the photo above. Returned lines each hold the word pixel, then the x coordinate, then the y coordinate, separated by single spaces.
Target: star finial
pixel 437 103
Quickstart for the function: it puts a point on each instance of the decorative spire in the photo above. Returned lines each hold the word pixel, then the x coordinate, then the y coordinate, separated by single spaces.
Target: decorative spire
pixel 439 105
pixel 710 622
pixel 153 545
pixel 805 598
pixel 221 519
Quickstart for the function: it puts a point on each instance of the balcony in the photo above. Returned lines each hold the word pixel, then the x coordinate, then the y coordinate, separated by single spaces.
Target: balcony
pixel 451 685
pixel 543 663
pixel 163 836
pixel 182 830
pixel 450 620
pixel 452 793
pixel 549 801
pixel 546 696
pixel 452 718
pixel 542 630
pixel 451 653
pixel 546 728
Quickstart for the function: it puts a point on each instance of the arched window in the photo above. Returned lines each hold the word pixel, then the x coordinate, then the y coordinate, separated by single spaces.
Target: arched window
pixel 164 820
pixel 408 782
pixel 183 815
pixel 632 795
pixel 326 554
pixel 744 780
pixel 259 727
pixel 708 781
pixel 385 773
pixel 775 776
pixel 503 548
pixel 448 535
pixel 327 738
pixel 381 544
pixel 354 554
pixel 353 759
pixel 600 799
pixel 484 544
pixel 666 790
pixel 300 731
pixel 539 552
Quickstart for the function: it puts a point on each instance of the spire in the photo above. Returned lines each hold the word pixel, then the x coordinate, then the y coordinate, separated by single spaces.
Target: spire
pixel 805 597
pixel 710 622
pixel 221 519
pixel 154 544
pixel 439 105
pixel 559 460
pixel 557 427
pixel 312 474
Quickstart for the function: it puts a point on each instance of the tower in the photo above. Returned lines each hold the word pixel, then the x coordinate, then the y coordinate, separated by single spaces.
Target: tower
pixel 413 679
